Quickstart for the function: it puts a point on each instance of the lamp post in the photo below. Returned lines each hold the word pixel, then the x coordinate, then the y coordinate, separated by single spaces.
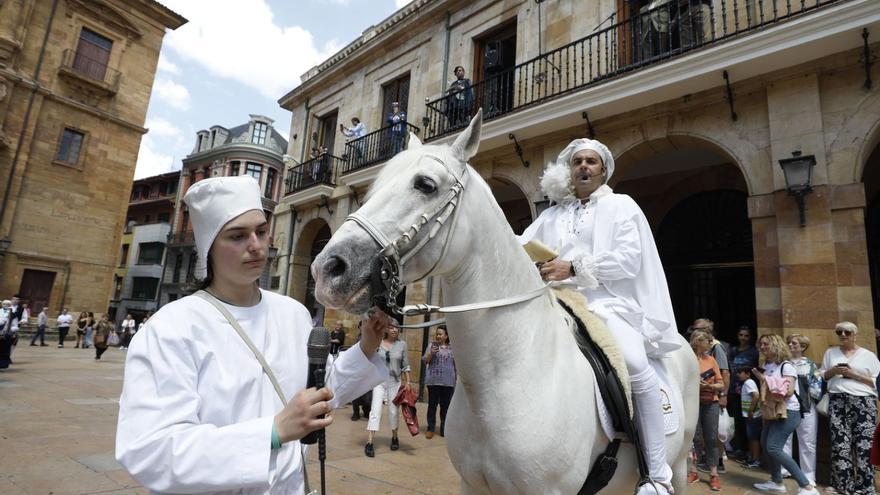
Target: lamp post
pixel 798 171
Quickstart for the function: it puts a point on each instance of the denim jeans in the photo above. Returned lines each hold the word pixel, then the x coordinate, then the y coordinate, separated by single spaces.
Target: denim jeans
pixel 776 432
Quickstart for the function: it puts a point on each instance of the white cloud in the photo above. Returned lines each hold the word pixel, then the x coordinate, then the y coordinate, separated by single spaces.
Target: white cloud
pixel 161 127
pixel 401 3
pixel 167 66
pixel 151 161
pixel 239 39
pixel 175 95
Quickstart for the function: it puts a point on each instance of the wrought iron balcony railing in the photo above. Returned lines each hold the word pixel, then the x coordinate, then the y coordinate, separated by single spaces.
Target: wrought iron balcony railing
pixel 657 32
pixel 319 170
pixel 376 146
pixel 182 237
pixel 91 71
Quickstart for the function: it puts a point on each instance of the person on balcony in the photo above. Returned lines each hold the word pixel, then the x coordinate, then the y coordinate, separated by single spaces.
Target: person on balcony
pixel 354 133
pixel 397 120
pixel 460 101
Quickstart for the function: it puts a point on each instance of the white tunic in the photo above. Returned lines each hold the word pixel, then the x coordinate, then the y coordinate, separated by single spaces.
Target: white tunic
pixel 610 244
pixel 197 410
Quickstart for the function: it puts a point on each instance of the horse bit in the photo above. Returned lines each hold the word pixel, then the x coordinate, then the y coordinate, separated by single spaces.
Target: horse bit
pixel 385 275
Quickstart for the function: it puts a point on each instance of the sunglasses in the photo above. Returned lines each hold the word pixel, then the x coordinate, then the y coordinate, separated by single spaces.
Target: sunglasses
pixel 841 333
pixel 387 357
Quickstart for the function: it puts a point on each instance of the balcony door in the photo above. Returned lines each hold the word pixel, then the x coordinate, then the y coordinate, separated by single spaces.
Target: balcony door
pixel 327 133
pixel 92 54
pixel 494 59
pixel 397 90
pixel 36 288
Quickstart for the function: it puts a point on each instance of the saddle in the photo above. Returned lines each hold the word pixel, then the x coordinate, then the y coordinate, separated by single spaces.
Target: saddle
pixel 614 391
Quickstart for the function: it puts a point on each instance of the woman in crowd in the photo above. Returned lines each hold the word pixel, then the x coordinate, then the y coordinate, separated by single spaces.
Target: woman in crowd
pixel 6 334
pixel 102 336
pixel 394 351
pixel 808 374
pixel 127 331
pixel 90 331
pixel 440 380
pixel 711 385
pixel 850 371
pixel 81 324
pixel 782 414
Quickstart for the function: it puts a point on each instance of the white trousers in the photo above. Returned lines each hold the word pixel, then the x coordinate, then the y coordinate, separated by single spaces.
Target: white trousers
pixel 384 393
pixel 645 389
pixel 806 435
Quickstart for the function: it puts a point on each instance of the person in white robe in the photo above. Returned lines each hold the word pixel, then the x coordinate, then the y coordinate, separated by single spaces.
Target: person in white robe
pixel 198 414
pixel 606 248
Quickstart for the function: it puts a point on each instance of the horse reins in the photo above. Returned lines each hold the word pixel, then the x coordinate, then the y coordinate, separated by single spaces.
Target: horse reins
pixel 389 261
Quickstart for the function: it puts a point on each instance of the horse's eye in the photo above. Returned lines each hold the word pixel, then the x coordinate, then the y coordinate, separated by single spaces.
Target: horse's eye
pixel 425 185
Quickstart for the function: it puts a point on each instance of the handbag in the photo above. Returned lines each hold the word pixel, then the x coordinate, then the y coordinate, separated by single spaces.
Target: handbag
pixel 725 426
pixel 113 339
pixel 406 398
pixel 822 406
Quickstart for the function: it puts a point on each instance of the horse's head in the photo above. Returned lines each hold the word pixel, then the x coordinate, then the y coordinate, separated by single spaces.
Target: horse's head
pixel 406 220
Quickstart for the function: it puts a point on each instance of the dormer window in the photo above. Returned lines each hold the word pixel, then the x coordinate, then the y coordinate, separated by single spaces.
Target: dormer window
pixel 213 137
pixel 260 131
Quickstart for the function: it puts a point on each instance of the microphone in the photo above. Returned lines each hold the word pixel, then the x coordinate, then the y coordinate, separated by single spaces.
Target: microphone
pixel 318 349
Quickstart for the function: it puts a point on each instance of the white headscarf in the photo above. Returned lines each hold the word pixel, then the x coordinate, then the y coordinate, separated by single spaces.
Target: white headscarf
pixel 556 181
pixel 212 204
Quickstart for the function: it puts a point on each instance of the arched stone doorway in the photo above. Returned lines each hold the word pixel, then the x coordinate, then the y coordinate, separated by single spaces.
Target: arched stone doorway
pixel 513 203
pixel 315 235
pixel 871 180
pixel 695 198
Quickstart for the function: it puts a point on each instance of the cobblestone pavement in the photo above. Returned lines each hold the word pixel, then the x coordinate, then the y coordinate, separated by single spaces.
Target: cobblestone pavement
pixel 59 408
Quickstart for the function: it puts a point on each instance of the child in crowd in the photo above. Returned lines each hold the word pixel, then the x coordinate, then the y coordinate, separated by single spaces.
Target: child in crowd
pixel 751 411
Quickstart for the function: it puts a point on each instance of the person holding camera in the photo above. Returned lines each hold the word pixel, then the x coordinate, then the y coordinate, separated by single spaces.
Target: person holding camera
pixel 711 385
pixel 440 380
pixel 850 371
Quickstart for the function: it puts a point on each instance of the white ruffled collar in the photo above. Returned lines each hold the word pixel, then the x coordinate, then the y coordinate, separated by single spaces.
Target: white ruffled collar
pixel 602 191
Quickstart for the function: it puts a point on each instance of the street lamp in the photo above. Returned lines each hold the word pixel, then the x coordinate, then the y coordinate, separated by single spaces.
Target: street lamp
pixel 798 172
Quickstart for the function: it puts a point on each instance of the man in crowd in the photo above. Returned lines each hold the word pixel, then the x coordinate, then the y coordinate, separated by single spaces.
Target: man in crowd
pixel 337 338
pixel 460 100
pixel 743 355
pixel 42 322
pixel 64 320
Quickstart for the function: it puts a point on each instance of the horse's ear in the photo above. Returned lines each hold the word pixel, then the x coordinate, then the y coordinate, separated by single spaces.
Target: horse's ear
pixel 414 142
pixel 468 142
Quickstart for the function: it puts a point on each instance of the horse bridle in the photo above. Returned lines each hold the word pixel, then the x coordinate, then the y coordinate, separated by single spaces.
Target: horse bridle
pixel 385 272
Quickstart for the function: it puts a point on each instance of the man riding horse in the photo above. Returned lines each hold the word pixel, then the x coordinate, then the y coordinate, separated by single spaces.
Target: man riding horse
pixel 606 248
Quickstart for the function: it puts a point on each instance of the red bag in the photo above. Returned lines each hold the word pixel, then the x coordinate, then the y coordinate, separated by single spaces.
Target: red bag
pixel 406 399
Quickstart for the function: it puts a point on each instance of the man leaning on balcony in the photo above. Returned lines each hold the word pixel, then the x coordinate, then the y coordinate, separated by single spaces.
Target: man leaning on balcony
pixel 353 133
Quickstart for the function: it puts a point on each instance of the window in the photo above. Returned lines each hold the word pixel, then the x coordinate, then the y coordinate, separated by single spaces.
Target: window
pixel 397 90
pixel 147 219
pixel 213 137
pixel 71 145
pixel 117 287
pixel 164 217
pixel 255 170
pixel 172 297
pixel 144 287
pixel 270 183
pixel 274 282
pixel 235 169
pixel 260 131
pixel 191 267
pixel 178 264
pixel 123 258
pixel 150 253
pixel 329 128
pixel 92 54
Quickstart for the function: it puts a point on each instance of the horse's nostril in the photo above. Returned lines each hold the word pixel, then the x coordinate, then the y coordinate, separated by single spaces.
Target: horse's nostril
pixel 335 266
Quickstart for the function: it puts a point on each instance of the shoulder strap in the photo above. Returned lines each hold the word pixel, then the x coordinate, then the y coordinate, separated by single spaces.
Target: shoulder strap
pixel 247 340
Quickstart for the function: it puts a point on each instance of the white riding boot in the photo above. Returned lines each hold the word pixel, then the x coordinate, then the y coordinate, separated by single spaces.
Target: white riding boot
pixel 646 402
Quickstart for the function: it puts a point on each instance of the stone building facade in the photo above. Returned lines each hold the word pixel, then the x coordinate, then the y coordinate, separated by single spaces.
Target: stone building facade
pixel 75 82
pixel 253 148
pixel 699 102
pixel 142 249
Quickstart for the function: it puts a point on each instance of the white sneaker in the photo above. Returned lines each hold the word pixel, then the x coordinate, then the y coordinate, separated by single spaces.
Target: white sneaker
pixel 811 491
pixel 785 473
pixel 770 486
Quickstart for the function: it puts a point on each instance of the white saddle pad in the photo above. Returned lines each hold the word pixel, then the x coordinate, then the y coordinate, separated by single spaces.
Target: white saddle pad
pixel 668 396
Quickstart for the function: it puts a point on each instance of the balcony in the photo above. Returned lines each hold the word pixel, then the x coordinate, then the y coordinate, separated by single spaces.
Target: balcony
pixel 186 237
pixel 89 75
pixel 314 172
pixel 649 37
pixel 375 147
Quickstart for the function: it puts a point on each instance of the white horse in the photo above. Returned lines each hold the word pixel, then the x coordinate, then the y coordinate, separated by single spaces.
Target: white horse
pixel 523 418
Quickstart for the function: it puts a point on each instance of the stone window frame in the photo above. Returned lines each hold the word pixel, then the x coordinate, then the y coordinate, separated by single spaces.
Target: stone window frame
pixel 83 149
pixel 120 41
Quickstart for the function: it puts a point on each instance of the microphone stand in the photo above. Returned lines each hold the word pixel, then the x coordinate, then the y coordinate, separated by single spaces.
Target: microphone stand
pixel 322 438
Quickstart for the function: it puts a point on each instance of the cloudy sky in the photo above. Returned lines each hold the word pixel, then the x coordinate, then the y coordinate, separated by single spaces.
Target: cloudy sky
pixel 238 57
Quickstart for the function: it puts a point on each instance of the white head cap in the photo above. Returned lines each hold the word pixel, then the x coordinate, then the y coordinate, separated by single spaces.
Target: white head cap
pixel 212 204
pixel 556 181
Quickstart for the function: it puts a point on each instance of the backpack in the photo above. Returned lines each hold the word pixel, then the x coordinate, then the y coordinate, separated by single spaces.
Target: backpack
pixel 803 383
